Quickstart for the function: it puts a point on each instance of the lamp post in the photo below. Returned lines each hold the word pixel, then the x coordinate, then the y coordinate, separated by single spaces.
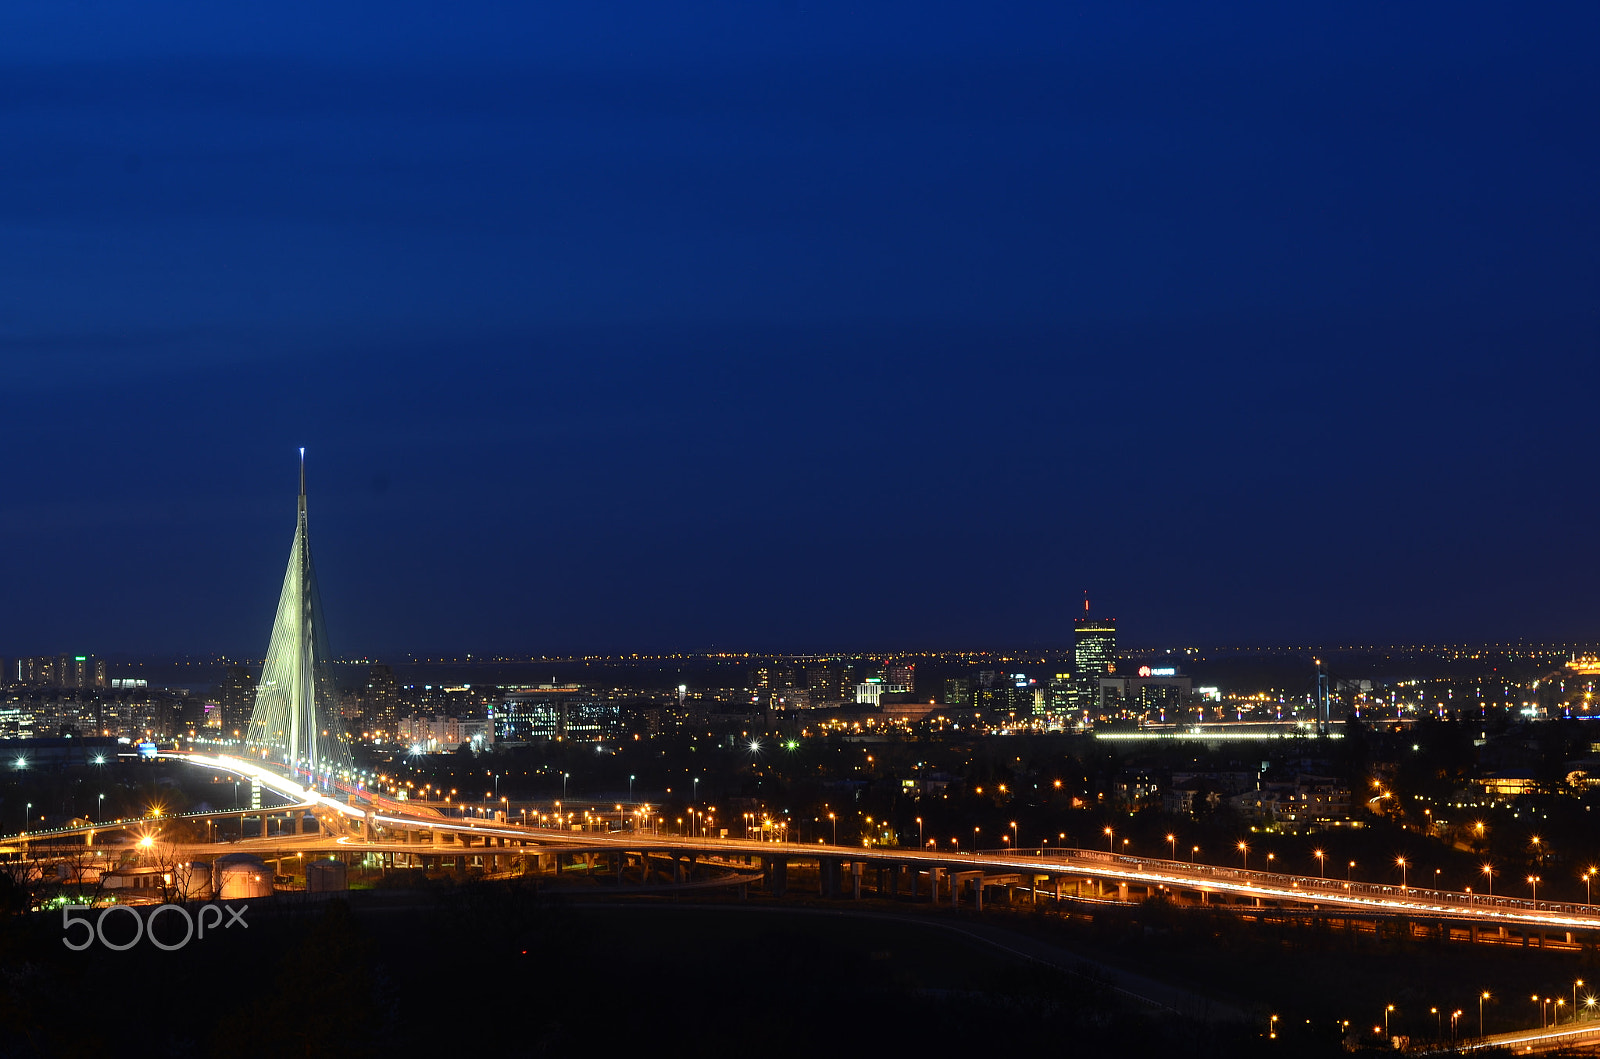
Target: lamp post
pixel 1481 998
pixel 920 841
pixel 1348 869
pixel 565 776
pixel 1586 897
pixel 1244 856
pixel 835 821
pixel 1533 883
pixel 1386 1013
pixel 1322 863
pixel 1402 862
pixel 1172 841
pixel 1575 986
pixel 1109 834
pixel 1438 1023
pixel 631 778
pixel 1194 851
pixel 100 805
pixel 1016 839
pixel 1488 872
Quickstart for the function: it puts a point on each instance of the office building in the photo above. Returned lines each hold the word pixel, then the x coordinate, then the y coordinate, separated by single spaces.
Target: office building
pixel 1094 653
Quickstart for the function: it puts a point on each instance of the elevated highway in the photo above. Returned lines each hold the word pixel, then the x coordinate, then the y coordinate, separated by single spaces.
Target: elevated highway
pixel 379 824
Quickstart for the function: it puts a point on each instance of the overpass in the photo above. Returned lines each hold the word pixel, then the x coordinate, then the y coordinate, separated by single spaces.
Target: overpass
pixel 381 822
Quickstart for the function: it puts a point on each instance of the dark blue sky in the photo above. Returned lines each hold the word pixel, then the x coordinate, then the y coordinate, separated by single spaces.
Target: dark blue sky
pixel 650 326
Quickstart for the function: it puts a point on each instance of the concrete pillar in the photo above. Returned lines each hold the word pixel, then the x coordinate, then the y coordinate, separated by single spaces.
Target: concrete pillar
pixel 933 884
pixel 855 879
pixel 977 893
pixel 780 876
pixel 1122 891
pixel 916 878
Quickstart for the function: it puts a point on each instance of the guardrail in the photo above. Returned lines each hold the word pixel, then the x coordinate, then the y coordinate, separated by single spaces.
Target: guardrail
pixel 1309 884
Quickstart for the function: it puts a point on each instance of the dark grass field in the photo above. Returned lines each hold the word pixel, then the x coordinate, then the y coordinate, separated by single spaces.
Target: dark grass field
pixel 500 967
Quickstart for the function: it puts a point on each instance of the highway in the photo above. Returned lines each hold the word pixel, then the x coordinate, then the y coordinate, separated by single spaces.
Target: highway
pixel 1106 868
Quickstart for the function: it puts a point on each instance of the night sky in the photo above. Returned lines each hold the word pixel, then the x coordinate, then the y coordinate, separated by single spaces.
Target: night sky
pixel 799 326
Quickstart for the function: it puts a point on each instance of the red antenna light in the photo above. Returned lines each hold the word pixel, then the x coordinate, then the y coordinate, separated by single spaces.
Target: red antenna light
pixel 1086 601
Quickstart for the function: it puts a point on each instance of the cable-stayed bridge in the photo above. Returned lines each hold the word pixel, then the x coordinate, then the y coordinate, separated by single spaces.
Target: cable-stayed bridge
pixel 297 749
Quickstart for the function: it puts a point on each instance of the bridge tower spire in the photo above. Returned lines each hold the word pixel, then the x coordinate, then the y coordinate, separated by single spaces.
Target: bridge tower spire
pixel 296 718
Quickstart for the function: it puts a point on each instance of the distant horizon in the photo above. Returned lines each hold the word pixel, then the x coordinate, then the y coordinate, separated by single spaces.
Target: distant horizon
pixel 506 658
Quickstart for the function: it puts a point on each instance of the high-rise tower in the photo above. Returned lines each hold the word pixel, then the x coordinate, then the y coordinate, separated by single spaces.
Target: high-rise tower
pixel 296 719
pixel 1094 652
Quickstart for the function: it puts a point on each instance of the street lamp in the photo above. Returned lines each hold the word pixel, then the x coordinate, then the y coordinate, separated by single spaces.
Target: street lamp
pixel 631 778
pixel 1194 851
pixel 1109 848
pixel 835 821
pixel 1386 1012
pixel 1533 883
pixel 100 804
pixel 920 841
pixel 1244 855
pixel 1402 862
pixel 1348 869
pixel 565 776
pixel 1016 840
pixel 1322 863
pixel 1586 898
pixel 1172 841
pixel 1481 998
pixel 1488 871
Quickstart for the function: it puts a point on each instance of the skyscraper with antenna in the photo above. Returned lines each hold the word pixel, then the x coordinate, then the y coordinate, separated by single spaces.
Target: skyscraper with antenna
pixel 296 719
pixel 1094 653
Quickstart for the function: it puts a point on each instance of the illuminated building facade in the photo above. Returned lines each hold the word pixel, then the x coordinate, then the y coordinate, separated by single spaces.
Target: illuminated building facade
pixel 1094 653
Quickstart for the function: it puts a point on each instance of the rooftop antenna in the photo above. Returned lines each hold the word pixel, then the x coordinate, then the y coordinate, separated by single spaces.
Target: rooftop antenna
pixel 1086 601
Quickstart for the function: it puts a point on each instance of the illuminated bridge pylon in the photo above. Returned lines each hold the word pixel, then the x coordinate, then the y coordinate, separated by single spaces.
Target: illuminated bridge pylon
pixel 296 718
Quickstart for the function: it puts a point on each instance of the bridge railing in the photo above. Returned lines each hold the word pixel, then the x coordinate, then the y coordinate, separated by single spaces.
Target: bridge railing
pixel 1307 884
